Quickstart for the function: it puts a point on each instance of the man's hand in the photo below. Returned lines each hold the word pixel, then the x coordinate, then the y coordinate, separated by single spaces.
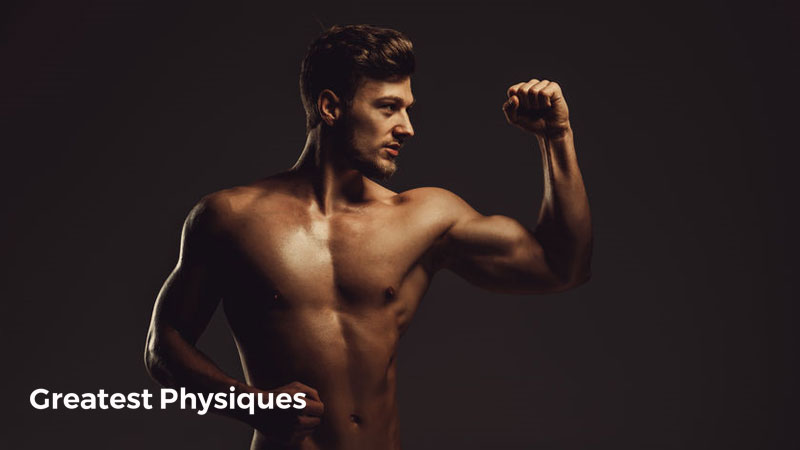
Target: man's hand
pixel 289 426
pixel 537 107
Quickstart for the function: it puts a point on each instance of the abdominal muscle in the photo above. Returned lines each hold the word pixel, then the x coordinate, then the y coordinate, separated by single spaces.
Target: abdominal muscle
pixel 347 354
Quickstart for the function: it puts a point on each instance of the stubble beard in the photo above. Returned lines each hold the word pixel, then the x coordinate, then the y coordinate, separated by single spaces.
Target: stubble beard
pixel 372 166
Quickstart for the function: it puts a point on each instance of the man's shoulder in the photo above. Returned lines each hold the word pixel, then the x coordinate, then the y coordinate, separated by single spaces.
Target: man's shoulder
pixel 437 204
pixel 242 199
pixel 434 197
pixel 226 202
pixel 225 206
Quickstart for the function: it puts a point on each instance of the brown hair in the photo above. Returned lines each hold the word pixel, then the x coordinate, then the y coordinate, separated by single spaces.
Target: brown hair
pixel 343 55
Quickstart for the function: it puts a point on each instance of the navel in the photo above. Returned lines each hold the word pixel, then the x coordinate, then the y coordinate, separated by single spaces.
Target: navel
pixel 355 418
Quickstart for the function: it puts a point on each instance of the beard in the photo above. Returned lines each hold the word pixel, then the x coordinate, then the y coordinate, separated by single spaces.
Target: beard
pixel 374 167
pixel 370 163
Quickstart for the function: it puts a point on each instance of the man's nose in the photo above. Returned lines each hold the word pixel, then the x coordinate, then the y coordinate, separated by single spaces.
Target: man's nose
pixel 404 128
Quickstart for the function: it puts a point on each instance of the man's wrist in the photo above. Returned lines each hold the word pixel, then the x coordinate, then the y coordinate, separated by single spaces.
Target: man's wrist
pixel 242 387
pixel 557 138
pixel 559 132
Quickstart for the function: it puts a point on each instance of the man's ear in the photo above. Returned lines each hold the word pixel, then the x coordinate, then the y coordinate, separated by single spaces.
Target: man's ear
pixel 329 106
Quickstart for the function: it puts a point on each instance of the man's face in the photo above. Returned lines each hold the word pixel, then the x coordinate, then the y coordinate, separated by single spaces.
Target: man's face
pixel 377 125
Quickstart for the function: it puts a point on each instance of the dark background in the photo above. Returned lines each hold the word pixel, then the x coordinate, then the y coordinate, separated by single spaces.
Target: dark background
pixel 118 116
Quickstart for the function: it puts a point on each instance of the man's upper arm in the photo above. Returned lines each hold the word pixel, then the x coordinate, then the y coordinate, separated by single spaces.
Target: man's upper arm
pixel 494 252
pixel 192 291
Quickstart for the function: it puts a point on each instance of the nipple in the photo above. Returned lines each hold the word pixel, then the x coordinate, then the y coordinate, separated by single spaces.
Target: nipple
pixel 277 296
pixel 389 294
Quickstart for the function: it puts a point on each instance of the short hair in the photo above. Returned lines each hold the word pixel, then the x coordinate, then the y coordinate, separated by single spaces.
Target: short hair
pixel 342 56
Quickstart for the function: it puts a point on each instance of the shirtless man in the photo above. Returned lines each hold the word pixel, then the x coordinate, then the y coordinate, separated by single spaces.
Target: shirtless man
pixel 320 269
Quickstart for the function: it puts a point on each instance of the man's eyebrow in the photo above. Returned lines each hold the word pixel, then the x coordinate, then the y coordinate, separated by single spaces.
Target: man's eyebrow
pixel 396 99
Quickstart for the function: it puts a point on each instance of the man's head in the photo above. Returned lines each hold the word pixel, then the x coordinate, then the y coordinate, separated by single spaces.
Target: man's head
pixel 356 78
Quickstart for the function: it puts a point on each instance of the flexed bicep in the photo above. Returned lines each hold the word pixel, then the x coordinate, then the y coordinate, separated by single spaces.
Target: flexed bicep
pixel 493 252
pixel 497 253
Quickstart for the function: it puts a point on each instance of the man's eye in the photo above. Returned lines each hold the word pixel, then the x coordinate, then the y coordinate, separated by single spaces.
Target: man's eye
pixel 388 107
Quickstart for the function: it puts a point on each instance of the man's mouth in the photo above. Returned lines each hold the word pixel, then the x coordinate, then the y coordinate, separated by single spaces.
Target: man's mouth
pixel 393 149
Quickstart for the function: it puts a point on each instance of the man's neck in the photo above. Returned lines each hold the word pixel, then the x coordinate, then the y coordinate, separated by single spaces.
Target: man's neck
pixel 334 183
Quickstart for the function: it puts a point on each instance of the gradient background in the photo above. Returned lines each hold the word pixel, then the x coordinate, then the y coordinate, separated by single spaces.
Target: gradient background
pixel 118 116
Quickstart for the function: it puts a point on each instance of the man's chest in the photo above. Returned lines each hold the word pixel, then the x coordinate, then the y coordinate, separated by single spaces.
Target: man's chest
pixel 362 256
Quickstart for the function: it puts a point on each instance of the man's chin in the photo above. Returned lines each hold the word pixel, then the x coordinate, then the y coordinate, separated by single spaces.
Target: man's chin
pixel 375 167
pixel 378 171
pixel 381 174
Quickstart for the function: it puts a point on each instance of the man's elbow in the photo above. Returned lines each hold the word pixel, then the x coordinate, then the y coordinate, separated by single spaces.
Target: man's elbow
pixel 570 281
pixel 574 272
pixel 578 279
pixel 155 361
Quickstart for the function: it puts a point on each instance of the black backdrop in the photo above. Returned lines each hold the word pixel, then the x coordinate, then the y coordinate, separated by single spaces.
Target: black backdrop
pixel 118 116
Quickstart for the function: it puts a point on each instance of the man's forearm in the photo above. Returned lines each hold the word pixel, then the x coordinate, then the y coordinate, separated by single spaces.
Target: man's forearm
pixel 174 363
pixel 564 229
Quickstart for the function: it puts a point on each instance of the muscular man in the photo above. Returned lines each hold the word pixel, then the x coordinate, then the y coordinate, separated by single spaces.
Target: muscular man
pixel 320 269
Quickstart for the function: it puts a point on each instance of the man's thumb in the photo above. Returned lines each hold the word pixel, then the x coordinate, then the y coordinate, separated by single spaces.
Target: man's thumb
pixel 510 107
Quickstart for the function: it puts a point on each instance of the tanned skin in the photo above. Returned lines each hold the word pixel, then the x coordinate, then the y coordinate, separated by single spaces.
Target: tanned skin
pixel 320 269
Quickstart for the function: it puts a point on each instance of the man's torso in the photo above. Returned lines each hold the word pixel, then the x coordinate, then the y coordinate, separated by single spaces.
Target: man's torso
pixel 323 298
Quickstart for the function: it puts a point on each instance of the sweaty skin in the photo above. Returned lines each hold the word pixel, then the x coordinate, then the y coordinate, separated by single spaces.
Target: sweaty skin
pixel 320 269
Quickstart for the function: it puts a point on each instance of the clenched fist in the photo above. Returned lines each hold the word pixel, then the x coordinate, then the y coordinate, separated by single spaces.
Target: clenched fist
pixel 537 106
